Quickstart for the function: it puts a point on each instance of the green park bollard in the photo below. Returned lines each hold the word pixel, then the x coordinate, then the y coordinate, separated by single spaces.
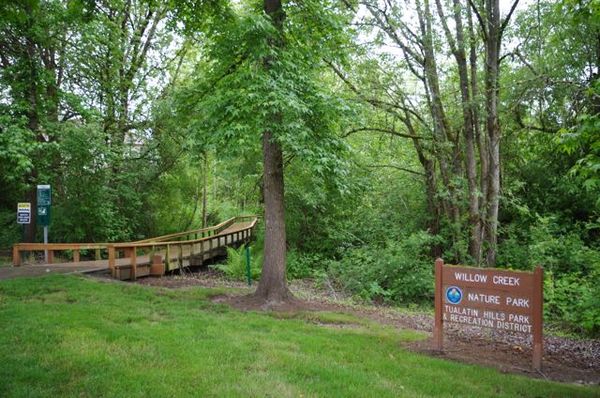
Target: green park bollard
pixel 248 273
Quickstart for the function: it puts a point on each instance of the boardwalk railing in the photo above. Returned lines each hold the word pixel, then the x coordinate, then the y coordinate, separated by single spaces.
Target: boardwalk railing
pixel 179 246
pixel 198 233
pixel 171 254
pixel 51 248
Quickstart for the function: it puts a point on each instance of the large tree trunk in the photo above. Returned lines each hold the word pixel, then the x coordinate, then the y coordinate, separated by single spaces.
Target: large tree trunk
pixel 272 287
pixel 33 125
pixel 433 204
pixel 441 126
pixel 458 50
pixel 419 50
pixel 204 188
pixel 480 141
pixel 492 57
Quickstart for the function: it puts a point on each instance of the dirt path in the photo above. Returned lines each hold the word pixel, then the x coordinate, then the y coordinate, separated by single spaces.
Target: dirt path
pixel 28 271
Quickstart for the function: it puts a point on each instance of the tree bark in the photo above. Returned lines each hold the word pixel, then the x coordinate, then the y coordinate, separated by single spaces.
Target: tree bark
pixel 433 204
pixel 33 122
pixel 458 50
pixel 419 50
pixel 479 138
pixel 448 168
pixel 492 57
pixel 272 287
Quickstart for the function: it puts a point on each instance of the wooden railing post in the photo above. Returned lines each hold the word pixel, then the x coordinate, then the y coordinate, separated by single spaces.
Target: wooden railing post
pixel 168 258
pixel 111 259
pixel 202 251
pixel 75 256
pixel 180 257
pixel 152 252
pixel 133 262
pixel 50 256
pixel 438 324
pixel 538 317
pixel 16 256
pixel 98 255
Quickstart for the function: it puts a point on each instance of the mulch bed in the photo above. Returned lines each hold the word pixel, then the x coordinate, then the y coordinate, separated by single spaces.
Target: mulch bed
pixel 565 359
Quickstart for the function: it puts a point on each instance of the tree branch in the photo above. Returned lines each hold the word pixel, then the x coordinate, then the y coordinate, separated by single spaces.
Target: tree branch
pixel 393 166
pixel 507 19
pixel 386 131
pixel 479 19
pixel 373 101
pixel 451 41
pixel 525 62
pixel 387 27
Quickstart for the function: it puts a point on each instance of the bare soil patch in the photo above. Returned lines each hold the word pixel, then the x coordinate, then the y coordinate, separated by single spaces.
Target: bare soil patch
pixel 565 359
pixel 511 359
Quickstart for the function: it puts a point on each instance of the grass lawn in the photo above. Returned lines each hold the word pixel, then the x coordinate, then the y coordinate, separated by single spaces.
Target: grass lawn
pixel 63 336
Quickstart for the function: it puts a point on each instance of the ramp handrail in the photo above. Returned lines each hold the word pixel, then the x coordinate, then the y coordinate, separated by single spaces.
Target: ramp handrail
pixel 198 234
pixel 193 246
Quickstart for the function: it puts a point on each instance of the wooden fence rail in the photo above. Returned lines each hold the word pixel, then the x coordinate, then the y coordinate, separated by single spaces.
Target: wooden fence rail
pixel 184 245
pixel 170 255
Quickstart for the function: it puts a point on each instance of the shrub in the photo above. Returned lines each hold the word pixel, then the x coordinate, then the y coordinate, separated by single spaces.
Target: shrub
pixel 400 272
pixel 573 301
pixel 558 251
pixel 572 268
pixel 304 265
pixel 235 266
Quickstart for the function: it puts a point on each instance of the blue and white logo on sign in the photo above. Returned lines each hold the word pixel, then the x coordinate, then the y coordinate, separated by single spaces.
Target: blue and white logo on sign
pixel 454 295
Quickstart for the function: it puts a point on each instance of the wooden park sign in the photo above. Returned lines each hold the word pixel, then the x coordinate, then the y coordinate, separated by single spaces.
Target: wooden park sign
pixel 491 298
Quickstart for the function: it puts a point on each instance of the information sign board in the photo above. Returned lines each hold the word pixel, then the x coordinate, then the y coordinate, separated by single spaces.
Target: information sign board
pixel 23 213
pixel 44 195
pixel 44 200
pixel 491 298
pixel 43 215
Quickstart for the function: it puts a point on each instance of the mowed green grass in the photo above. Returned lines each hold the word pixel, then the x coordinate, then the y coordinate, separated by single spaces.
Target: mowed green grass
pixel 66 336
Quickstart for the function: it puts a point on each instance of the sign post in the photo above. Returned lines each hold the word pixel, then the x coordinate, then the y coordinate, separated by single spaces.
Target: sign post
pixel 44 201
pixel 248 270
pixel 492 298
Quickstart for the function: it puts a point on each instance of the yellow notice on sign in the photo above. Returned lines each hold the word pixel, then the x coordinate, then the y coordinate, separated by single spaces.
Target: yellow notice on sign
pixel 24 207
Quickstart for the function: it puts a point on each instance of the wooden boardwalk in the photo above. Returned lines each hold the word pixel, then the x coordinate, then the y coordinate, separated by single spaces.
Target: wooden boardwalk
pixel 130 260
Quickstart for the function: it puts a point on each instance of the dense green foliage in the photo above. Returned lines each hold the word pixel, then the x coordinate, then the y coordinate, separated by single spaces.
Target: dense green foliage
pixel 72 336
pixel 144 116
pixel 236 265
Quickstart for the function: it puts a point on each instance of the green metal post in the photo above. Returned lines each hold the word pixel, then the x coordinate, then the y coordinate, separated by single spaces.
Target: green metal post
pixel 248 273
